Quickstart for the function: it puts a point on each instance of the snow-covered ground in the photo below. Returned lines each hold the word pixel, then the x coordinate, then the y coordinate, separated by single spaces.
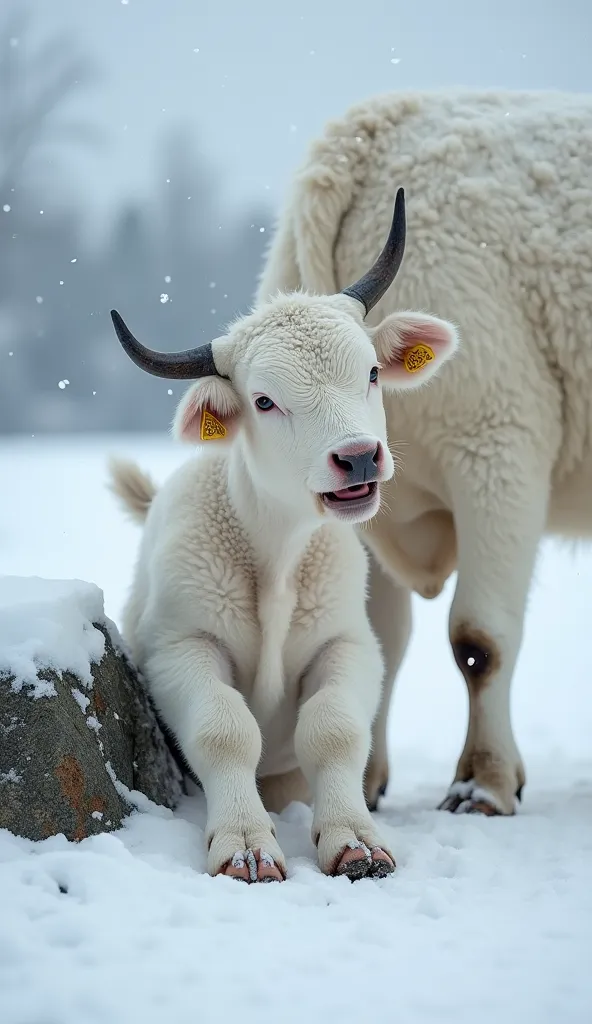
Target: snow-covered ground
pixel 485 920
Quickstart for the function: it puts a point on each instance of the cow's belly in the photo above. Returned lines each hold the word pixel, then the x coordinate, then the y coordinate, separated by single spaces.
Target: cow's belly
pixel 570 506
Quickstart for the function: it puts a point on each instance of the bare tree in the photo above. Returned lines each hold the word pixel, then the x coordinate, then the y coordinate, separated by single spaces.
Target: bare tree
pixel 33 89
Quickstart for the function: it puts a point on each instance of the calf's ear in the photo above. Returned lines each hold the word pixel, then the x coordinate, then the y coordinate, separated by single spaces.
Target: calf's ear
pixel 411 347
pixel 210 410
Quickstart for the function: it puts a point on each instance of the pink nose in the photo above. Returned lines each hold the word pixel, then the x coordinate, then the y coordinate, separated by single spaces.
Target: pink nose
pixel 359 463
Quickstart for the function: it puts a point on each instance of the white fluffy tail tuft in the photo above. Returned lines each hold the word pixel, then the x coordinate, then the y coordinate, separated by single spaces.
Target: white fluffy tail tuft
pixel 134 488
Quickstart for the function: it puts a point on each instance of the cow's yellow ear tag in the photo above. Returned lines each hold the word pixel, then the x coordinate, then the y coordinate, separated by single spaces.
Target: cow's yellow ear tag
pixel 417 357
pixel 211 428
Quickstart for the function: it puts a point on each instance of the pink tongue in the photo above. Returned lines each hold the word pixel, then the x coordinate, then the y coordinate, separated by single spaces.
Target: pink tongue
pixel 362 491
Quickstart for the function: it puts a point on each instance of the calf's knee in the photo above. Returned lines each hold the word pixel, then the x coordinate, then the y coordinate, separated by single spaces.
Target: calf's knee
pixel 329 732
pixel 228 731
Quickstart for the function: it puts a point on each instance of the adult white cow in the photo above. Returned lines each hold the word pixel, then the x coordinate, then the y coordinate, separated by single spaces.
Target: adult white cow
pixel 499 449
pixel 247 614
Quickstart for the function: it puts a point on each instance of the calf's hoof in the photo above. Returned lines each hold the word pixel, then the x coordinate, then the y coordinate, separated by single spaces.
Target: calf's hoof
pixel 252 866
pixel 359 861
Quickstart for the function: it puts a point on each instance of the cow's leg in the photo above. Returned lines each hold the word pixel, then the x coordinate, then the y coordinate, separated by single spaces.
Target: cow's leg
pixel 500 504
pixel 389 609
pixel 277 791
pixel 332 741
pixel 220 738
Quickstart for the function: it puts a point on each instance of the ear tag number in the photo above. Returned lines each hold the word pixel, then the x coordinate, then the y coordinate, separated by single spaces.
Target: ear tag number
pixel 417 357
pixel 211 428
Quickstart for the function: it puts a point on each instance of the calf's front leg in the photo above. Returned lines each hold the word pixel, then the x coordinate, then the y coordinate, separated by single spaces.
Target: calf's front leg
pixel 340 698
pixel 190 682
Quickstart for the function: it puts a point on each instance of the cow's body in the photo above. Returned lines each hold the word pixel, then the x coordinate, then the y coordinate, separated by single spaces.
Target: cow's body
pixel 498 449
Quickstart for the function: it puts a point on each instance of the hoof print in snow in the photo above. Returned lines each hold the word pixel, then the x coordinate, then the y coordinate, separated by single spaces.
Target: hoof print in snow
pixel 73 746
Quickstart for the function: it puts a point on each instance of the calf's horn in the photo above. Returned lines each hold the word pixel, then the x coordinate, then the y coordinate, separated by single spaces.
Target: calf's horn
pixel 372 286
pixel 188 365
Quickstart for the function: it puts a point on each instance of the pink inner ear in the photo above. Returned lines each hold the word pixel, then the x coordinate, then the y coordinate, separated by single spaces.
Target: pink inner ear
pixel 433 334
pixel 190 421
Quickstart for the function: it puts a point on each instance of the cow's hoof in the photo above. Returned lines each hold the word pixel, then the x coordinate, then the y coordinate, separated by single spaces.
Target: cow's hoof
pixel 470 798
pixel 375 783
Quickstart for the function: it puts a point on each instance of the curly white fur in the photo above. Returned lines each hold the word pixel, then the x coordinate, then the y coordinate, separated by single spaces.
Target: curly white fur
pixel 498 449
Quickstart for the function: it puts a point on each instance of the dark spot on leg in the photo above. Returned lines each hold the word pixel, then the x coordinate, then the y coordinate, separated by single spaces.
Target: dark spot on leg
pixel 63 889
pixel 476 655
pixel 471 660
pixel 382 790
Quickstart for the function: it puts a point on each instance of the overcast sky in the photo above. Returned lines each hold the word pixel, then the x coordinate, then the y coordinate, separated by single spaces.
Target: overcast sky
pixel 255 81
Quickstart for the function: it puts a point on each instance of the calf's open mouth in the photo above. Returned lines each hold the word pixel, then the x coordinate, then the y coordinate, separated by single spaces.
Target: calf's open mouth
pixel 350 498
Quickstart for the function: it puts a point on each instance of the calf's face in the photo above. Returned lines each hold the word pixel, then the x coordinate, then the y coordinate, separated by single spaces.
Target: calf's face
pixel 298 386
pixel 303 398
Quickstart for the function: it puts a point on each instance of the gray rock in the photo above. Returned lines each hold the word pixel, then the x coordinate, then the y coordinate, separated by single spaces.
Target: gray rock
pixel 68 762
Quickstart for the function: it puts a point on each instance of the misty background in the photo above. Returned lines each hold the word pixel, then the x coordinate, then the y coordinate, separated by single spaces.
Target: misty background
pixel 145 146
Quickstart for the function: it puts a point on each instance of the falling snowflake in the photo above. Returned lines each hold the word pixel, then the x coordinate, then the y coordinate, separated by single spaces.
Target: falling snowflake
pixel 169 391
pixel 164 297
pixel 74 260
pixel 38 299
pixel 167 278
pixel 6 207
pixel 63 383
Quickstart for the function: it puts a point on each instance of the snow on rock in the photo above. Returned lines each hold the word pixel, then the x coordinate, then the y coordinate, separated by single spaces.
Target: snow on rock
pixel 49 624
pixel 76 764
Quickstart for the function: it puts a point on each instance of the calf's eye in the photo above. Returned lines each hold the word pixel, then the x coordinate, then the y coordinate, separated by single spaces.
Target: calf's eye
pixel 264 404
pixel 374 375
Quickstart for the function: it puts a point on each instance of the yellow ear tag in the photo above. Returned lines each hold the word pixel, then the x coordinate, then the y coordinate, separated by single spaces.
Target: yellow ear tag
pixel 416 358
pixel 211 428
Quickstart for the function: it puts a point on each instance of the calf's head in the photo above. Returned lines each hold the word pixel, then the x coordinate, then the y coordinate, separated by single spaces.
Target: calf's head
pixel 297 384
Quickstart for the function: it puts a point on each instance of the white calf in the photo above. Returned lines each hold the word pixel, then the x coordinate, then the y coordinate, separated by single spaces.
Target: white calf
pixel 247 612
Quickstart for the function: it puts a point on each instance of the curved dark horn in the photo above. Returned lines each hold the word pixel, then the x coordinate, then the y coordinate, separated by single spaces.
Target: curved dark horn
pixel 372 286
pixel 194 362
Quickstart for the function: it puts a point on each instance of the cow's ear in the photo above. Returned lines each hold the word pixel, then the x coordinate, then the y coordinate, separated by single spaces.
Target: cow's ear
pixel 210 410
pixel 411 347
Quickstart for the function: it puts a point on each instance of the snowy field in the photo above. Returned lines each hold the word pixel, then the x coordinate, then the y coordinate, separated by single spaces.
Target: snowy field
pixel 486 920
